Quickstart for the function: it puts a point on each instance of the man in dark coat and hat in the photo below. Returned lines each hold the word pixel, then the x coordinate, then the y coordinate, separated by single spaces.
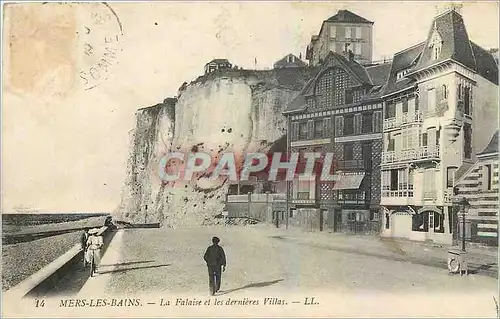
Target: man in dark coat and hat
pixel 215 259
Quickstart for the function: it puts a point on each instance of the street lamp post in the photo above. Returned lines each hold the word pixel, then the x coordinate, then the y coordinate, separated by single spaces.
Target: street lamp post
pixel 464 207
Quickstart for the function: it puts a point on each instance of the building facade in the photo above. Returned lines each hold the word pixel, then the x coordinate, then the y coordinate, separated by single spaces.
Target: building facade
pixel 339 111
pixel 441 106
pixel 217 64
pixel 341 33
pixel 479 185
pixel 290 61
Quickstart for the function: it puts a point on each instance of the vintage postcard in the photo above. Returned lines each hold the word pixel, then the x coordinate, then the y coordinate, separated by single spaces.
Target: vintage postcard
pixel 250 159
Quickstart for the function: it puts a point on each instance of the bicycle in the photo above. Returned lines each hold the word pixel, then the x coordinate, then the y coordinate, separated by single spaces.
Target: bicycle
pixel 91 263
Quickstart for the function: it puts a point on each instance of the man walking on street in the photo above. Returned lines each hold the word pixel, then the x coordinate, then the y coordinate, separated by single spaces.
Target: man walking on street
pixel 215 259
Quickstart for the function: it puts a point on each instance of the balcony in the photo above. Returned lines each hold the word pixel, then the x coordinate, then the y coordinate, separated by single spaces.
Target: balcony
pixel 397 197
pixel 406 118
pixel 304 198
pixel 424 153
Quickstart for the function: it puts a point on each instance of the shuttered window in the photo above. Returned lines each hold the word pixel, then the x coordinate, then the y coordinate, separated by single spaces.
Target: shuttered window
pixel 339 125
pixel 327 127
pixel 295 131
pixel 348 125
pixel 357 123
pixel 302 130
pixel 319 128
pixel 367 125
pixel 310 129
pixel 377 121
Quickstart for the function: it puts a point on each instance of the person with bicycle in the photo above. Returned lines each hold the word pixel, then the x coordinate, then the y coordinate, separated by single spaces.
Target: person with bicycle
pixel 215 259
pixel 83 240
pixel 94 244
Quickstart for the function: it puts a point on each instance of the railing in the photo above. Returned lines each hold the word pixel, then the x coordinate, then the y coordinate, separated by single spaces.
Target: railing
pixel 397 193
pixel 448 195
pixel 420 153
pixel 394 122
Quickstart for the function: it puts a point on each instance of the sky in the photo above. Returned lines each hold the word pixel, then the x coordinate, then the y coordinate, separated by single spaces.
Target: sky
pixel 65 148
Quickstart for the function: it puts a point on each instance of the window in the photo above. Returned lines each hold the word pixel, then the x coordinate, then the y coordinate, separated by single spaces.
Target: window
pixel 357 48
pixel 358 33
pixel 318 128
pixel 424 139
pixel 303 191
pixel 450 176
pixel 487 177
pixel 367 155
pixel 367 125
pixel 405 106
pixel 347 33
pixel 467 140
pixel 390 111
pixel 394 179
pixel 431 100
pixel 333 31
pixel 303 130
pixel 436 52
pixel 349 124
pixel 445 92
pixel 386 221
pixel 348 152
pixel 386 180
pixel 349 96
pixel 391 145
pixel 435 43
pixel 467 101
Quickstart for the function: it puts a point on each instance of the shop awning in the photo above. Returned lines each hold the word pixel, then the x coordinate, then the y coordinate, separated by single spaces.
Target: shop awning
pixel 349 181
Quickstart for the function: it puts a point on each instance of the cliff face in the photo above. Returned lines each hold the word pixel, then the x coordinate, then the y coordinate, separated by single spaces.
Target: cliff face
pixel 234 111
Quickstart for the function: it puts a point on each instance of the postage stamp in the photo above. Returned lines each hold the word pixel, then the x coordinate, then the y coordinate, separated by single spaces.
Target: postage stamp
pixel 250 159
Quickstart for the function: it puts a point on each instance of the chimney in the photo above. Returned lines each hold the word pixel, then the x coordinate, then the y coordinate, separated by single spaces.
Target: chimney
pixel 350 56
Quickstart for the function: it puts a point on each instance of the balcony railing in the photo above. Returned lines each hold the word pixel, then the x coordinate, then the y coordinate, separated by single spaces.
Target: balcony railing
pixel 420 153
pixel 404 119
pixel 448 195
pixel 397 193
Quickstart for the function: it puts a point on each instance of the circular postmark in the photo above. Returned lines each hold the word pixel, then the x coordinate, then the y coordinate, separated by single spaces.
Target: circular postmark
pixel 100 31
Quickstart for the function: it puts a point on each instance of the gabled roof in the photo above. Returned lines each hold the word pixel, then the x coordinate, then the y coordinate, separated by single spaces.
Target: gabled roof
pixel 218 61
pixel 284 62
pixel 353 67
pixel 347 16
pixel 299 102
pixel 374 77
pixel 492 146
pixel 455 41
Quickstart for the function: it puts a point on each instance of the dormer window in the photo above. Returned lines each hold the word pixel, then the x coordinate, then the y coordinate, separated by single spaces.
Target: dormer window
pixel 435 44
pixel 401 74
